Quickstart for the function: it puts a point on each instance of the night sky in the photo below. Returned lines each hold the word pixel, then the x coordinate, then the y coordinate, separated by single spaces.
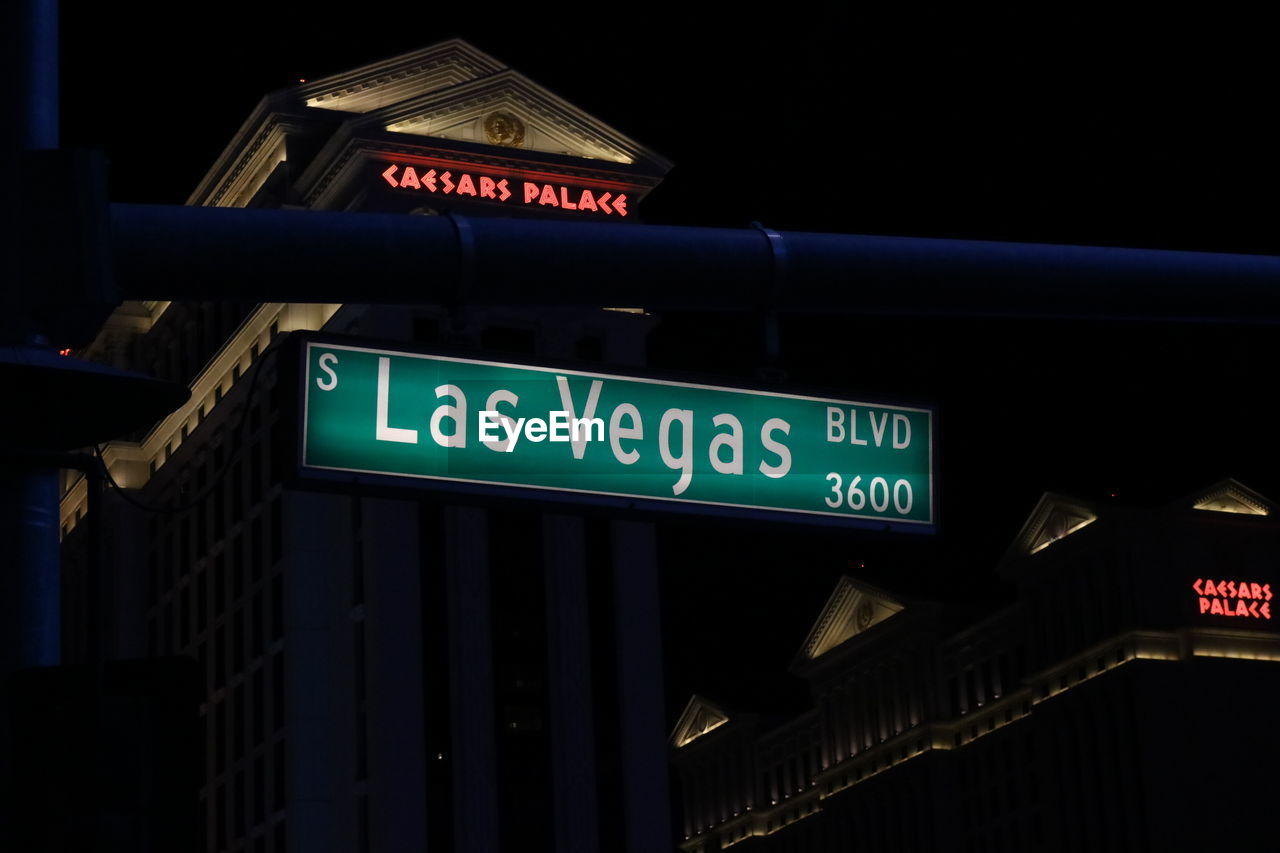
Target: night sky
pixel 1085 126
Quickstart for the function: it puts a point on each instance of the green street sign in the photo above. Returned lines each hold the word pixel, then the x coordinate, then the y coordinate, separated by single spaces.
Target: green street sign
pixel 486 427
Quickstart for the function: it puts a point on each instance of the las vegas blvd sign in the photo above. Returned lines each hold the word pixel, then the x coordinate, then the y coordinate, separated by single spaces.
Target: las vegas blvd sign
pixel 602 438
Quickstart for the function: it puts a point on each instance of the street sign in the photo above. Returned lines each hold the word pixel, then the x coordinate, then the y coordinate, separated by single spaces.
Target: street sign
pixel 486 426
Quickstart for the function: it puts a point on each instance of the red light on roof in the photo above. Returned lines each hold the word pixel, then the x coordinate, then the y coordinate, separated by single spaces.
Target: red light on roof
pixel 64 351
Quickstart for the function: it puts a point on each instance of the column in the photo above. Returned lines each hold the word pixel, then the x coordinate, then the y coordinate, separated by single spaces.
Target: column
pixel 573 757
pixel 645 804
pixel 475 792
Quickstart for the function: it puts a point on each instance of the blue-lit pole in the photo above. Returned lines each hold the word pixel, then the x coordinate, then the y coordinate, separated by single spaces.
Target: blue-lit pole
pixel 29 583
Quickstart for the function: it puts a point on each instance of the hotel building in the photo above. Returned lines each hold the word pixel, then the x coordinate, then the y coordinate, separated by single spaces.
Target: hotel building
pixel 1121 698
pixel 363 687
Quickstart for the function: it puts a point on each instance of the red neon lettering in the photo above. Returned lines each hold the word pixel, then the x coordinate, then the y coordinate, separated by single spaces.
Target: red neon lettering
pixel 448 183
pixel 466 186
pixel 564 199
pixel 429 180
pixel 548 196
pixel 502 188
pixel 586 201
pixel 620 204
pixel 410 178
pixel 1233 598
pixel 530 192
pixel 603 201
pixel 486 187
pixel 389 173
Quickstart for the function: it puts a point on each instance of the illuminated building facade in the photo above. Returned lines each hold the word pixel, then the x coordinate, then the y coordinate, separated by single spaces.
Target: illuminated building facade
pixel 351 700
pixel 1122 699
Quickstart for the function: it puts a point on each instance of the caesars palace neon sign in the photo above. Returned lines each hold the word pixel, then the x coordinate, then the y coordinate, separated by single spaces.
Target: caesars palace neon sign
pixel 505 189
pixel 1234 598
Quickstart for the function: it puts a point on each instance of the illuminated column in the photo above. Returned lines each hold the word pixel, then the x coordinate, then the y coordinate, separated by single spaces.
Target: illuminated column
pixel 475 792
pixel 573 757
pixel 645 805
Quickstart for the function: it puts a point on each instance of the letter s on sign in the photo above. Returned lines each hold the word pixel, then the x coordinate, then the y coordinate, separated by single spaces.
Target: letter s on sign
pixel 324 363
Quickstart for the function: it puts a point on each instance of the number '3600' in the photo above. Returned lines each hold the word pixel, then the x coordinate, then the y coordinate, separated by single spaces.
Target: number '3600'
pixel 877 494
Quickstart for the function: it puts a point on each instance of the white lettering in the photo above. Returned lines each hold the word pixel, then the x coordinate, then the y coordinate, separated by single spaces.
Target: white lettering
pixel 501 445
pixel 513 428
pixel 323 363
pixel 384 432
pixel 853 428
pixel 901 438
pixel 835 424
pixel 588 411
pixel 617 432
pixel 585 425
pixel 683 462
pixel 559 426
pixel 732 440
pixel 774 446
pixel 457 414
pixel 877 432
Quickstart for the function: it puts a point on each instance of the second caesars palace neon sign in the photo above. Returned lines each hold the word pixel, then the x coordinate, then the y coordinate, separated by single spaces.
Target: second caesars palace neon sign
pixel 511 190
pixel 1234 598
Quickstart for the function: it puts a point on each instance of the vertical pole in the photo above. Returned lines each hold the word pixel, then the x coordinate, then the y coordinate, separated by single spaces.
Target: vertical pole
pixel 573 755
pixel 645 801
pixel 29 494
pixel 29 527
pixel 31 45
pixel 475 785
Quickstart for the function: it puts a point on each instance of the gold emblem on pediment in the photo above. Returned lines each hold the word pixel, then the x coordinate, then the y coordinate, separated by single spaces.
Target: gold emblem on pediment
pixel 504 129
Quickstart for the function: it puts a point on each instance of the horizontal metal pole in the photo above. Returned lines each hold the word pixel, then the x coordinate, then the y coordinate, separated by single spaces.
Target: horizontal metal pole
pixel 199 253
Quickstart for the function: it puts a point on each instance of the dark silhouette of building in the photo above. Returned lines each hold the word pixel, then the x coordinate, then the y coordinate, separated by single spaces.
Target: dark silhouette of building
pixel 1119 699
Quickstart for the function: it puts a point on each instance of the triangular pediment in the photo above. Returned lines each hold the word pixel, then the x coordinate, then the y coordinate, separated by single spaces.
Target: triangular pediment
pixel 1234 497
pixel 325 143
pixel 507 110
pixel 700 716
pixel 399 78
pixel 454 91
pixel 853 608
pixel 1055 517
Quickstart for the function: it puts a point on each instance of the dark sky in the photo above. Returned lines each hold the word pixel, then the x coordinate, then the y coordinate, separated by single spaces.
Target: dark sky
pixel 1082 126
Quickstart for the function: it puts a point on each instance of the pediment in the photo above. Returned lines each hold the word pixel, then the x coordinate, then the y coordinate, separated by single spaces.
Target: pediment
pixel 1055 517
pixel 853 608
pixel 399 78
pixel 450 104
pixel 700 716
pixel 1234 497
pixel 508 111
